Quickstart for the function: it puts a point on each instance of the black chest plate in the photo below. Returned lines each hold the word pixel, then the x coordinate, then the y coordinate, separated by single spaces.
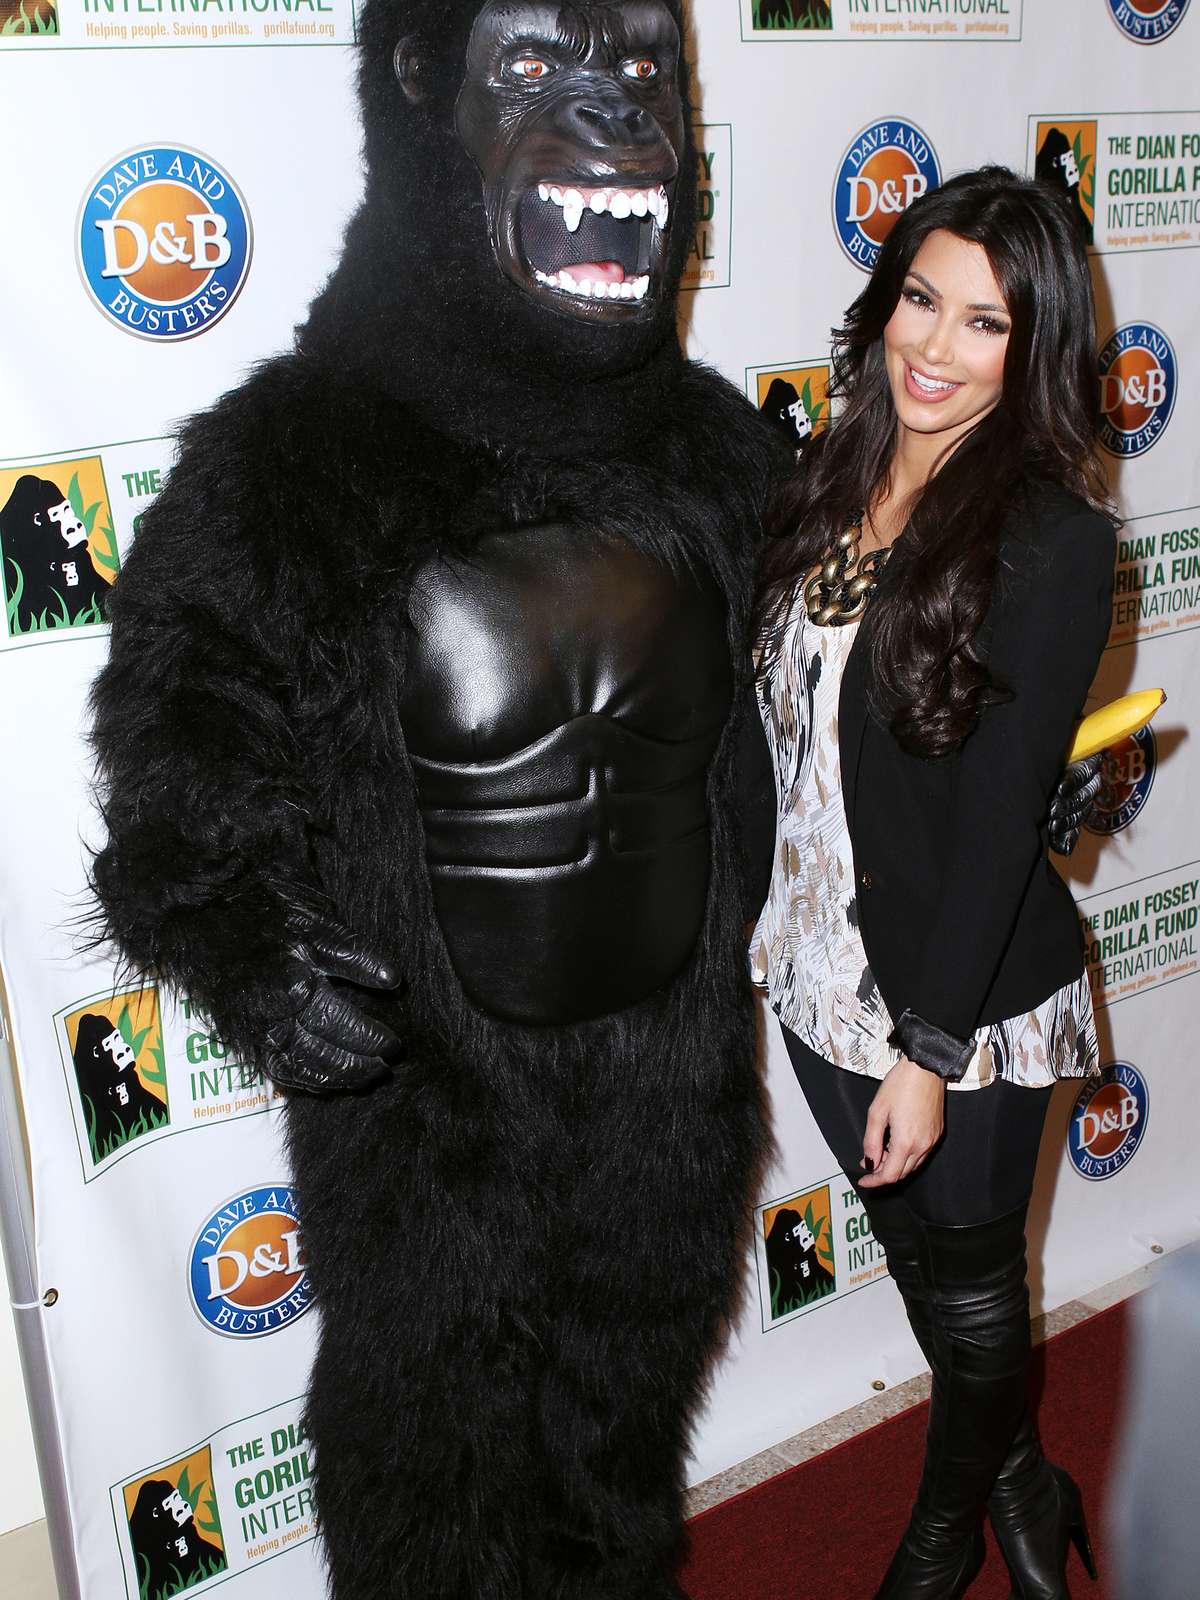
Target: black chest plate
pixel 564 697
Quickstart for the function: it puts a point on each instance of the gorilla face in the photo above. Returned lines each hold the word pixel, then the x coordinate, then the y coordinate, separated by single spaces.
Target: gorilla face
pixel 573 115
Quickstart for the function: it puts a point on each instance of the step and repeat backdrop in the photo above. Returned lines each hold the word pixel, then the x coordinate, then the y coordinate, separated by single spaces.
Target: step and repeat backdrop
pixel 177 179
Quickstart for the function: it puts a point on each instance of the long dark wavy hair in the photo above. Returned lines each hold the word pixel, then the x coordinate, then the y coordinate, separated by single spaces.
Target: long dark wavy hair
pixel 928 676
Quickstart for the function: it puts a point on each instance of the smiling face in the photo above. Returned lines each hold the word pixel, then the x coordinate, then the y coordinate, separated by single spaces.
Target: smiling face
pixel 945 343
pixel 573 115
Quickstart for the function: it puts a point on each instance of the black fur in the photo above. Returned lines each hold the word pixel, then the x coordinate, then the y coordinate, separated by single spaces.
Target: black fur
pixel 525 1243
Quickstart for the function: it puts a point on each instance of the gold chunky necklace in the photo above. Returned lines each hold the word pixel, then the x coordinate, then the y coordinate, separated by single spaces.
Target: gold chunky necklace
pixel 840 589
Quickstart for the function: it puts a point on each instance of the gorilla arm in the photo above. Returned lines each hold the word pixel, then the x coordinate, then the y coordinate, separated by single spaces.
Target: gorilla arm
pixel 204 880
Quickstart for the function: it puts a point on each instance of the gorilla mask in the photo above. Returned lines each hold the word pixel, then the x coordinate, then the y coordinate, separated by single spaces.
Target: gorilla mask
pixel 513 270
pixel 574 117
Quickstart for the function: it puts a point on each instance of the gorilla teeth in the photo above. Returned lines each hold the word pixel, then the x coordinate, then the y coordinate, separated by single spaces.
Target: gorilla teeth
pixel 586 289
pixel 619 203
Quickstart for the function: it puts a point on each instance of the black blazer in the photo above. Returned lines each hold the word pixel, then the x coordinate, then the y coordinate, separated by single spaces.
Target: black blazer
pixel 963 918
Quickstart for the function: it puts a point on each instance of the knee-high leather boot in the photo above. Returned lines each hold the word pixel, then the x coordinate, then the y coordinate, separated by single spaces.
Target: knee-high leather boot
pixel 973 1283
pixel 1036 1513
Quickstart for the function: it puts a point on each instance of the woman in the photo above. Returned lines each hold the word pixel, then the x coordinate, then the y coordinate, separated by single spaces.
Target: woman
pixel 934 608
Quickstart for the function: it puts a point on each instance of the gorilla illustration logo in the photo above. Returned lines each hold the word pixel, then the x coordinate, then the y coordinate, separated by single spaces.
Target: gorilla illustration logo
pixel 116 1101
pixel 1056 164
pixel 783 407
pixel 49 579
pixel 170 1552
pixel 798 1275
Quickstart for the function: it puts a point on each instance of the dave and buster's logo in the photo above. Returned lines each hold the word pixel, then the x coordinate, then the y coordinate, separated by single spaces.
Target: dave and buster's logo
pixel 246 1272
pixel 1147 21
pixel 1126 778
pixel 164 242
pixel 1139 378
pixel 1108 1121
pixel 886 167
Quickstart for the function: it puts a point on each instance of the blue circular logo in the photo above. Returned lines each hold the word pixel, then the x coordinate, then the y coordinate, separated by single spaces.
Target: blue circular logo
pixel 246 1272
pixel 1147 21
pixel 1108 1121
pixel 1126 778
pixel 886 167
pixel 1139 377
pixel 164 242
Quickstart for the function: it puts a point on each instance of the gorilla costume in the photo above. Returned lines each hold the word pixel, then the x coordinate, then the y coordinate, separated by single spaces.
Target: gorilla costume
pixel 456 666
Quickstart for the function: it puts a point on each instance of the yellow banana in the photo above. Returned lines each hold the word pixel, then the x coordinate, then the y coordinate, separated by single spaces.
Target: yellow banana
pixel 1114 722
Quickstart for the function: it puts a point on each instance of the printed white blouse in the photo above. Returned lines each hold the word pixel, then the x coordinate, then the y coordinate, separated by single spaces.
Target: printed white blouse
pixel 807 951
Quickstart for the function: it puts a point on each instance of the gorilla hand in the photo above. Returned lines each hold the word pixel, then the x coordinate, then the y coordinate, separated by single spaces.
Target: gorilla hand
pixel 319 1040
pixel 1071 802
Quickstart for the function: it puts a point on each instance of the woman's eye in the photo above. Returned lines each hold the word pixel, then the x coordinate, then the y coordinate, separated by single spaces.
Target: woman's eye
pixel 989 325
pixel 531 68
pixel 643 68
pixel 916 298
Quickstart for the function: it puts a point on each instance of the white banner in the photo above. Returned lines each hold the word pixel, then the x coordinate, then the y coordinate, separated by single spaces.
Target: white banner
pixel 178 1337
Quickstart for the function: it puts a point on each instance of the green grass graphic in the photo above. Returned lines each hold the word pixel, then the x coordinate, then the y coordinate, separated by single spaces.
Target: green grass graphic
pixel 31 22
pixel 1087 175
pixel 798 15
pixel 176 1583
pixel 51 616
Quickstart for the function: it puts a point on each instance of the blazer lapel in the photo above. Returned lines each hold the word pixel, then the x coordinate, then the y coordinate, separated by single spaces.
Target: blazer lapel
pixel 852 720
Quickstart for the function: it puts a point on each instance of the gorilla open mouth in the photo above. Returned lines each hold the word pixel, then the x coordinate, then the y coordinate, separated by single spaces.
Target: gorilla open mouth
pixel 585 244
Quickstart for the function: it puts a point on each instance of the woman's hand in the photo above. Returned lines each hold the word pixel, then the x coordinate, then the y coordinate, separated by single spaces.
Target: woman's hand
pixel 909 1107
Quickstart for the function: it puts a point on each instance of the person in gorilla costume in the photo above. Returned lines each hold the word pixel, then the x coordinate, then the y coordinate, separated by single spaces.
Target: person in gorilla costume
pixel 417 771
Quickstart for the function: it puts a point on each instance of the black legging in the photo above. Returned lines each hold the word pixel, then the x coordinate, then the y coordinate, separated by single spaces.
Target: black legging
pixel 981 1169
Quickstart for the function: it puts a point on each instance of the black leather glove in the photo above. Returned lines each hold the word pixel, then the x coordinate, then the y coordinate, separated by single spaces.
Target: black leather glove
pixel 322 1042
pixel 1071 803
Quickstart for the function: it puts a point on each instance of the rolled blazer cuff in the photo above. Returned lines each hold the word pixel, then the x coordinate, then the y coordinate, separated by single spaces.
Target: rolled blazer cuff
pixel 932 1047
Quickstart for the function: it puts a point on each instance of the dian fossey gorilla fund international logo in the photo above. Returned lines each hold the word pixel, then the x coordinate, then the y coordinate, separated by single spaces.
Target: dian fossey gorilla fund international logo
pixel 246 1270
pixel 58 548
pixel 1108 1121
pixel 887 166
pixel 800 1262
pixel 175 1527
pixel 1139 377
pixel 1066 158
pixel 794 400
pixel 113 1045
pixel 1147 21
pixel 164 242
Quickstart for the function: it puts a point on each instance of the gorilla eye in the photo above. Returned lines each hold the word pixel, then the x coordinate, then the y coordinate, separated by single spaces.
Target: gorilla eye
pixel 643 68
pixel 531 68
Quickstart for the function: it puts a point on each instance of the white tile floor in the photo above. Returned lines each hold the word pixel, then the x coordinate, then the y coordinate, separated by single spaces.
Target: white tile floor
pixel 26 1573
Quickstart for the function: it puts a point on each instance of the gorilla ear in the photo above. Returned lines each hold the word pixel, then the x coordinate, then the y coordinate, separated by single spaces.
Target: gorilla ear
pixel 410 61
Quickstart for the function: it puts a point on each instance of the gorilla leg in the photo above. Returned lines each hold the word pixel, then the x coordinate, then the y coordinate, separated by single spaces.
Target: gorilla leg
pixel 423 1229
pixel 645 1260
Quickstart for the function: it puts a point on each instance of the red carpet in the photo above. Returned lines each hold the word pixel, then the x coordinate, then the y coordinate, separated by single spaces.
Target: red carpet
pixel 826 1530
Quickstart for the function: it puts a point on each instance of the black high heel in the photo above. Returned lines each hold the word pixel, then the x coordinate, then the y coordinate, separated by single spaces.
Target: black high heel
pixel 1034 1527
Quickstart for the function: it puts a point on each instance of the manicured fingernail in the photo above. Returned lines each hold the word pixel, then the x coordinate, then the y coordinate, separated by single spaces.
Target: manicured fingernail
pixel 868 1163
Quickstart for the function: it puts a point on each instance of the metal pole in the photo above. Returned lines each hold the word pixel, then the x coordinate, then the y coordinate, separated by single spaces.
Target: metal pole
pixel 25 1294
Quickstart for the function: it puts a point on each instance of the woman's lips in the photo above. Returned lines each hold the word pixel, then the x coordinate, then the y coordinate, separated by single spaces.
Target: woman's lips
pixel 932 391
